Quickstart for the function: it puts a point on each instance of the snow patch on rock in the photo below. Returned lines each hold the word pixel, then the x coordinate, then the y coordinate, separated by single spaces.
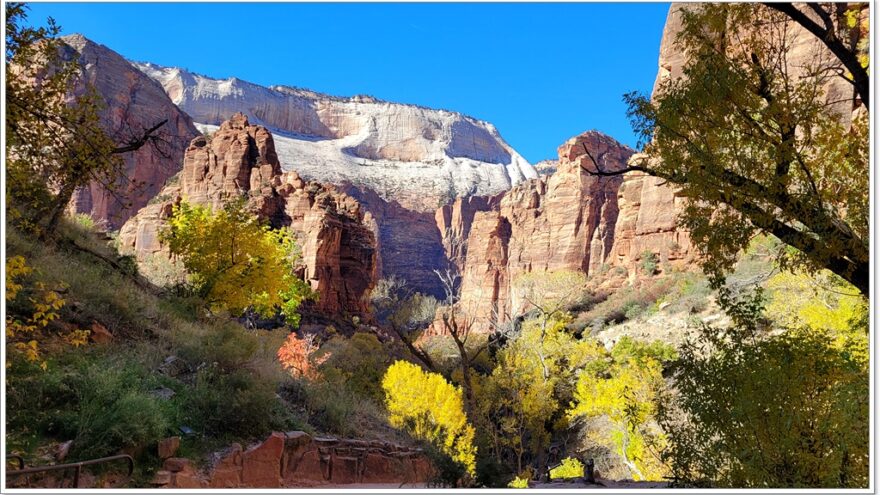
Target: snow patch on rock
pixel 420 157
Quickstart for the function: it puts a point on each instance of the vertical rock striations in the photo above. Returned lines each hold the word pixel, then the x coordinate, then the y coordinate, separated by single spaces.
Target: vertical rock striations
pixel 239 160
pixel 133 102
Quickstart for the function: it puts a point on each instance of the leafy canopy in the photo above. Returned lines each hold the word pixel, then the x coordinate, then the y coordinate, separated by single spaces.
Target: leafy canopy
pixel 430 408
pixel 748 136
pixel 789 410
pixel 235 261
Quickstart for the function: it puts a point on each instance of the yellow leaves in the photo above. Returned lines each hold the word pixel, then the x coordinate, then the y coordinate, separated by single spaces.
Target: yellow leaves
pixel 78 338
pixel 430 408
pixel 518 482
pixel 234 260
pixel 16 267
pixel 570 468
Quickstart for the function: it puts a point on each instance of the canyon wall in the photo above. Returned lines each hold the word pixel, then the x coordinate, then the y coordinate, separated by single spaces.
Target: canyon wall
pixel 133 103
pixel 569 220
pixel 239 160
pixel 419 157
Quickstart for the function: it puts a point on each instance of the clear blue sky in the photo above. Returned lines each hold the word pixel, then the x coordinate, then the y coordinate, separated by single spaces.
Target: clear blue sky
pixel 540 72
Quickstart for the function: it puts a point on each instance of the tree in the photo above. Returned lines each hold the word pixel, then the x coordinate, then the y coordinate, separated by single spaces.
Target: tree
pixel 54 140
pixel 749 139
pixel 236 262
pixel 520 404
pixel 430 408
pixel 407 313
pixel 626 392
pixel 789 410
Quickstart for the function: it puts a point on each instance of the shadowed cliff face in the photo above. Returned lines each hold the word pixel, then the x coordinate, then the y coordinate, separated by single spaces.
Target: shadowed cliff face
pixel 239 160
pixel 133 102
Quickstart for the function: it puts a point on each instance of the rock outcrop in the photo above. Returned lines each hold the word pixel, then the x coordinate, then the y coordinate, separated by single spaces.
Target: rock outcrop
pixel 296 459
pixel 419 157
pixel 239 160
pixel 569 220
pixel 133 103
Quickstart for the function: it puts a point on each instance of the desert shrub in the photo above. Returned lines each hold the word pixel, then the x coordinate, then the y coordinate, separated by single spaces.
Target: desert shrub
pixel 231 404
pixel 98 400
pixel 649 263
pixel 228 346
pixel 84 220
pixel 358 363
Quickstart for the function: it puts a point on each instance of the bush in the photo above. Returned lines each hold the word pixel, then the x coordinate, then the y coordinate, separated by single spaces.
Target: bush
pixel 570 468
pixel 236 404
pixel 649 263
pixel 101 402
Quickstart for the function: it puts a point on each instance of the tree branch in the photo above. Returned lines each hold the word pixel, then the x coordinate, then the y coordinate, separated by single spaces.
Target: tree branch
pixel 826 35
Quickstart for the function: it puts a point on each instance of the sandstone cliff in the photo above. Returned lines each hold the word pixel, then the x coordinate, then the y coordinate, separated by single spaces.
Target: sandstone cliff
pixel 421 158
pixel 239 160
pixel 569 220
pixel 133 103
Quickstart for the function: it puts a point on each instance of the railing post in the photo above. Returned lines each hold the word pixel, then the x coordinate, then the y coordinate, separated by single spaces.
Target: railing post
pixel 76 475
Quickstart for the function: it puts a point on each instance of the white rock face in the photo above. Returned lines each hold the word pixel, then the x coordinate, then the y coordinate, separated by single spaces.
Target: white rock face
pixel 420 157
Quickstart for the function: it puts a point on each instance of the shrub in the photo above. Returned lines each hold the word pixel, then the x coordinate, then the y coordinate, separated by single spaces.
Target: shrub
pixel 649 263
pixel 570 468
pixel 235 404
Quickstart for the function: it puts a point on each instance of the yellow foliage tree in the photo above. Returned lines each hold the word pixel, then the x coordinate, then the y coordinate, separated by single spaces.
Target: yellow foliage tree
pixel 519 403
pixel 822 302
pixel 627 394
pixel 236 262
pixel 430 408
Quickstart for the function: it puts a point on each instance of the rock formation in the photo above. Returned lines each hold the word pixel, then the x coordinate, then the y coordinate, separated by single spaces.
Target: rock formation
pixel 569 220
pixel 239 160
pixel 296 459
pixel 133 103
pixel 421 158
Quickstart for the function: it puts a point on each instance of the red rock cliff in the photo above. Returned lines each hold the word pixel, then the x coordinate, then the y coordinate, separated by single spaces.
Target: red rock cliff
pixel 133 102
pixel 569 220
pixel 239 160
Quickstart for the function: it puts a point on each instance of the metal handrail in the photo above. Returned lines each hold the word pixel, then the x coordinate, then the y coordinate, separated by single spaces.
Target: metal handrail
pixel 18 457
pixel 74 465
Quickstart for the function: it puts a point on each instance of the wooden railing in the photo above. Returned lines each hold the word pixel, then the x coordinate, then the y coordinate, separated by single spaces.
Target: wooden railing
pixel 77 466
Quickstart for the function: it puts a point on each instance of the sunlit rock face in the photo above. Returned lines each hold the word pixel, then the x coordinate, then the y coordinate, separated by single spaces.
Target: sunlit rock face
pixel 564 221
pixel 419 157
pixel 339 255
pixel 133 103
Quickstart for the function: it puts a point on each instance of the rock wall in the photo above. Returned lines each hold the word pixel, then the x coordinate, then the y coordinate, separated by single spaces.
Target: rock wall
pixel 296 459
pixel 133 103
pixel 239 160
pixel 569 220
pixel 419 157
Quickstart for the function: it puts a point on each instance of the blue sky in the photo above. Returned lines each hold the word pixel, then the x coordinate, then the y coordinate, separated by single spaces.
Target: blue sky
pixel 541 73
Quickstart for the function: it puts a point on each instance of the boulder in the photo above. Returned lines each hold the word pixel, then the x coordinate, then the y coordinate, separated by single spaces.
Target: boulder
pixel 261 465
pixel 99 334
pixel 167 447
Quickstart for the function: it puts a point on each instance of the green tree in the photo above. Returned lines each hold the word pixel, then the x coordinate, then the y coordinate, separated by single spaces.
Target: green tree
pixel 788 410
pixel 430 408
pixel 54 140
pixel 235 262
pixel 753 144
